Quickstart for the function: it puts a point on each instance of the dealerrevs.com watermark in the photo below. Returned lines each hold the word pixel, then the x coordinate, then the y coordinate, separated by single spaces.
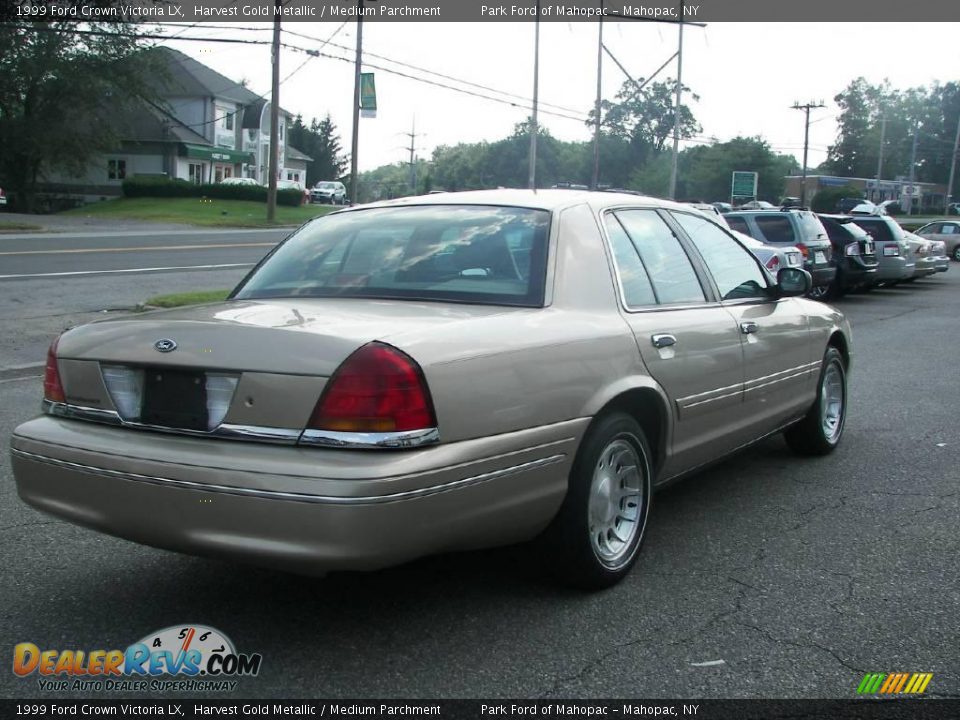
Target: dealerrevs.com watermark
pixel 180 658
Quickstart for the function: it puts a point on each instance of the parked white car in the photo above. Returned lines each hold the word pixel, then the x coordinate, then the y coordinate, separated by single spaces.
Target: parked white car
pixel 238 181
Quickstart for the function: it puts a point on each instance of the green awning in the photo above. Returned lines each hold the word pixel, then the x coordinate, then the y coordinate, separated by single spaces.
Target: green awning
pixel 216 154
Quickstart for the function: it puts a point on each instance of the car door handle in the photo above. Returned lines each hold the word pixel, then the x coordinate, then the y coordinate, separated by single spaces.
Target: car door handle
pixel 662 341
pixel 749 327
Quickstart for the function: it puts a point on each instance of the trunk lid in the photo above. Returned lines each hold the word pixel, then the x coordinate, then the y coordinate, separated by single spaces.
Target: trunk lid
pixel 289 336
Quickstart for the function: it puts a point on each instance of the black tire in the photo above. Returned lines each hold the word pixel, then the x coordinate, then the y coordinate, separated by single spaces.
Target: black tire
pixel 810 436
pixel 570 543
pixel 820 292
pixel 956 253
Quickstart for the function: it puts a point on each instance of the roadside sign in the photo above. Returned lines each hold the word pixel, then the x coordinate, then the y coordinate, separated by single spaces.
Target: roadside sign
pixel 368 96
pixel 743 184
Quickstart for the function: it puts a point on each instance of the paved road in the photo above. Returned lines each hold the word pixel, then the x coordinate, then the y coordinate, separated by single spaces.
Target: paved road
pixel 792 577
pixel 52 281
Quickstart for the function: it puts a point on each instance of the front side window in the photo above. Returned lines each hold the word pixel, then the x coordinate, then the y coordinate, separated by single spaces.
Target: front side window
pixel 776 229
pixel 456 253
pixel 734 269
pixel 670 271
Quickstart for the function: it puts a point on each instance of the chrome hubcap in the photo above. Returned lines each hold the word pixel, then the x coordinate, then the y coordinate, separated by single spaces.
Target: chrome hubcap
pixel 818 291
pixel 831 402
pixel 617 503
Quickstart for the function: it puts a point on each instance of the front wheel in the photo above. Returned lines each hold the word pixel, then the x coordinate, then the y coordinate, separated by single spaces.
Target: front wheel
pixel 596 536
pixel 956 253
pixel 819 292
pixel 821 428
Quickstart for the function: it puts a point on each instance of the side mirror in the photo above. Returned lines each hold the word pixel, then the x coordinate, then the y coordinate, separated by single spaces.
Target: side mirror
pixel 793 281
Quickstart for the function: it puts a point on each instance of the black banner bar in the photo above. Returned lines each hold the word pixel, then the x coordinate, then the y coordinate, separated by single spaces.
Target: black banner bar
pixel 481 10
pixel 187 709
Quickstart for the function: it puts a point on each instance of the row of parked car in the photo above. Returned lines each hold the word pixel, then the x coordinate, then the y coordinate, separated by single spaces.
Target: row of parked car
pixel 843 252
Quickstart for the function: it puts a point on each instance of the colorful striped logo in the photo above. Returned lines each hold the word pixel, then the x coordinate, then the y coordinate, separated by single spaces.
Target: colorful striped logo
pixel 894 683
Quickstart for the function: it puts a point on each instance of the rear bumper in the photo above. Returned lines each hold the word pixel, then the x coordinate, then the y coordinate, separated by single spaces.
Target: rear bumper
pixel 853 273
pixel 894 267
pixel 925 267
pixel 822 275
pixel 300 509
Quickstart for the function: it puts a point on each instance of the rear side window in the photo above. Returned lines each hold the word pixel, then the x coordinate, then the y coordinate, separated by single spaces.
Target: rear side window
pixel 668 267
pixel 776 228
pixel 738 224
pixel 949 229
pixel 458 253
pixel 637 289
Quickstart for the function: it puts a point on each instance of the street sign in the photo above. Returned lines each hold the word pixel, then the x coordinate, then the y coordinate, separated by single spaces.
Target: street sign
pixel 368 96
pixel 743 184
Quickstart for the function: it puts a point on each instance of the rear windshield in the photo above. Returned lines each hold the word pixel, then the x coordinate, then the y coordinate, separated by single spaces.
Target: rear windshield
pixel 810 227
pixel 776 228
pixel 458 253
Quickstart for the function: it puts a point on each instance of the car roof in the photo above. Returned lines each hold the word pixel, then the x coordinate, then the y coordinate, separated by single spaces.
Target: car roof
pixel 551 199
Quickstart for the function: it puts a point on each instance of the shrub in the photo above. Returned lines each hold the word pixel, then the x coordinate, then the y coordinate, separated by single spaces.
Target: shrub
pixel 825 201
pixel 140 186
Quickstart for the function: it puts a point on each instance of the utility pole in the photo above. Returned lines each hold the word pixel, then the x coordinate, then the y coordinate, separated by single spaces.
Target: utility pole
pixel 913 165
pixel 596 107
pixel 953 166
pixel 413 163
pixel 274 117
pixel 883 135
pixel 676 109
pixel 534 129
pixel 806 143
pixel 356 105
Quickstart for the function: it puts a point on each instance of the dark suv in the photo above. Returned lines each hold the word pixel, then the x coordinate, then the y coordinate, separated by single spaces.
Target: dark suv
pixel 792 227
pixel 854 252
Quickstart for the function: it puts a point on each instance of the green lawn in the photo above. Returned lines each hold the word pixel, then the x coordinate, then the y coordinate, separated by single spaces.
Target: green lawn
pixel 187 298
pixel 196 211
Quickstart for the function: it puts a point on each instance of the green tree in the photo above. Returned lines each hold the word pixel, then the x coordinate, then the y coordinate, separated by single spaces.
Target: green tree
pixel 65 98
pixel 322 143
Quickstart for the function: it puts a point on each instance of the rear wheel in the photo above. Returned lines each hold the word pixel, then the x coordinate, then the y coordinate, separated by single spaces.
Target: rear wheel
pixel 821 428
pixel 596 536
pixel 956 253
pixel 819 292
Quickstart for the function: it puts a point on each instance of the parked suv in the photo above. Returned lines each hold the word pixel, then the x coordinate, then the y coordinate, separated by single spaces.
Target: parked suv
pixel 329 192
pixel 896 262
pixel 853 251
pixel 792 227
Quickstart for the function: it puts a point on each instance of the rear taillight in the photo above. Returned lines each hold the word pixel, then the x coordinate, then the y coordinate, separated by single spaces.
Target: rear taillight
pixel 773 263
pixel 852 249
pixel 376 389
pixel 52 387
pixel 803 250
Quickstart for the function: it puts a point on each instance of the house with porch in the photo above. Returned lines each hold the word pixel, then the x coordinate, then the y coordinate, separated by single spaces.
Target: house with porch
pixel 204 128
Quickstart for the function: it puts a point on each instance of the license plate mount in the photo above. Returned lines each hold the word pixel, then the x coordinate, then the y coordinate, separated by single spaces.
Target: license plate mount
pixel 175 399
pixel 819 257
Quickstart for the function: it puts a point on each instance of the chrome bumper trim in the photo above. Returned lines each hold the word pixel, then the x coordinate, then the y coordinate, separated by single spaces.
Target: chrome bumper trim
pixel 257 433
pixel 288 496
pixel 386 440
pixel 225 431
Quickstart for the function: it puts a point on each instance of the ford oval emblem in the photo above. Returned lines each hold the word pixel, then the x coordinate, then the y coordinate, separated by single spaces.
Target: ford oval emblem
pixel 165 345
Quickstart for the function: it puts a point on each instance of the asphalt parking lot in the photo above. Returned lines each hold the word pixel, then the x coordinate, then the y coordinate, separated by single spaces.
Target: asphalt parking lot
pixel 766 576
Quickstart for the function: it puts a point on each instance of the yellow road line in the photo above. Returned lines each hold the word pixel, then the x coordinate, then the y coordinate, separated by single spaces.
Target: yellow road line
pixel 136 249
